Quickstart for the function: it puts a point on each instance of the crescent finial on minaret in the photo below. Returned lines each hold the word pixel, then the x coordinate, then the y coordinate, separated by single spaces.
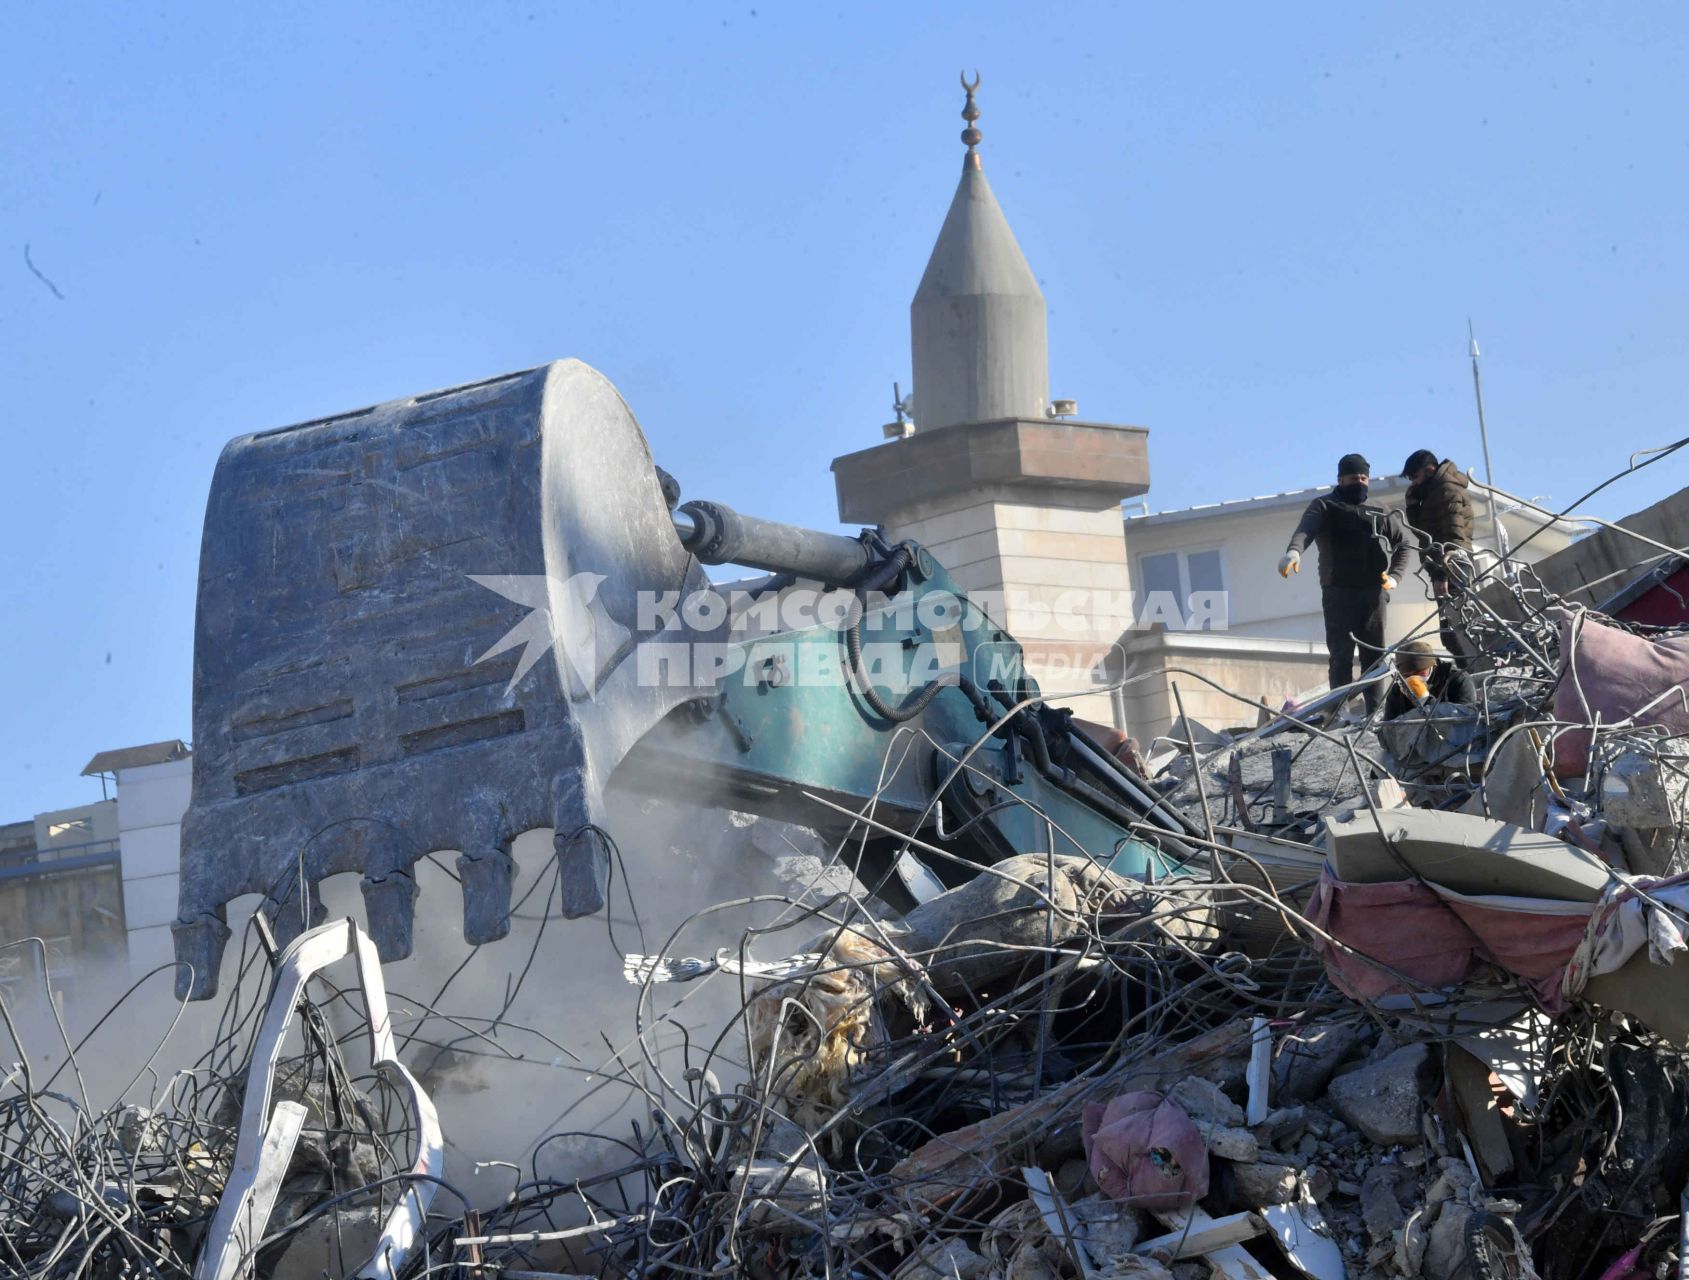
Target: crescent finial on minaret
pixel 970 112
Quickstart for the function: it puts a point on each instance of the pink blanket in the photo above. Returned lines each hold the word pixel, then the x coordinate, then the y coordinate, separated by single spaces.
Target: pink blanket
pixel 1144 1150
pixel 1433 937
pixel 1608 675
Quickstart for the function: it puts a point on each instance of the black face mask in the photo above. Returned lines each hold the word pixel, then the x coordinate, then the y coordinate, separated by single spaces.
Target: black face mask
pixel 1355 493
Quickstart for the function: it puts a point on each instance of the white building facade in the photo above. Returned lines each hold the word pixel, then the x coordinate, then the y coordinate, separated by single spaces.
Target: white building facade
pixel 151 799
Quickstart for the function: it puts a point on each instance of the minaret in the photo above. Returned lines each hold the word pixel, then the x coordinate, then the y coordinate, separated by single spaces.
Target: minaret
pixel 1021 506
pixel 977 324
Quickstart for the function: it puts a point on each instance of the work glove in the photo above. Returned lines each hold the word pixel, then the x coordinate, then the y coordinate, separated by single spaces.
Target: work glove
pixel 1389 582
pixel 1418 688
pixel 1290 563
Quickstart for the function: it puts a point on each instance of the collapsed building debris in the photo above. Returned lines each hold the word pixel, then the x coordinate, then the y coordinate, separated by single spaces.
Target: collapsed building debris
pixel 1335 997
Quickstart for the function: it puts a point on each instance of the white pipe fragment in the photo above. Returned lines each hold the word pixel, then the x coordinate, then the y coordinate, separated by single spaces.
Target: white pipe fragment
pixel 244 1209
pixel 1260 1070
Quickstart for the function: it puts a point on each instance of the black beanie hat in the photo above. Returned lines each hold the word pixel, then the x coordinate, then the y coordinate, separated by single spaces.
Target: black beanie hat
pixel 1352 464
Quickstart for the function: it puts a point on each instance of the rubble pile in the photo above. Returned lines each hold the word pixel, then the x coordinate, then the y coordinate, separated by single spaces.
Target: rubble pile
pixel 1415 1011
pixel 138 1189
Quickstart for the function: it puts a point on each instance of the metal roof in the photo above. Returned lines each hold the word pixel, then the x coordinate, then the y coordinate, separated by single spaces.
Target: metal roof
pixel 1387 488
pixel 134 757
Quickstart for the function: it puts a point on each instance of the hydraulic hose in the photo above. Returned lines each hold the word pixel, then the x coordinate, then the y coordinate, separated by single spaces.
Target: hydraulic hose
pixel 1117 806
pixel 1155 808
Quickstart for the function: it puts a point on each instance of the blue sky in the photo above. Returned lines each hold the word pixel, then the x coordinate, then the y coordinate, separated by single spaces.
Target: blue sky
pixel 1260 229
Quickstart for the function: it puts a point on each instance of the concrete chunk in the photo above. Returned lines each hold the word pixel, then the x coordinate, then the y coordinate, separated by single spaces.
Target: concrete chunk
pixel 1463 852
pixel 1205 1100
pixel 1230 1143
pixel 1383 1100
pixel 1259 1185
pixel 1307 1061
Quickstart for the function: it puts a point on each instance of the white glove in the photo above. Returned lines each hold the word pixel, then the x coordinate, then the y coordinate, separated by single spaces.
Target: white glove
pixel 1290 563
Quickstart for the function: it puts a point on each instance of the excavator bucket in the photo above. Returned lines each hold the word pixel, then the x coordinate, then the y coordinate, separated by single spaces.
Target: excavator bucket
pixel 413 636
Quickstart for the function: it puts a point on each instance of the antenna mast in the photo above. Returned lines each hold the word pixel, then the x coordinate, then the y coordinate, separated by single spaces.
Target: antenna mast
pixel 1489 469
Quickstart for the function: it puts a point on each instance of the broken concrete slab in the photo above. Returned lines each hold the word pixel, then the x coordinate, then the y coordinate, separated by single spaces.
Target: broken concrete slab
pixel 989 926
pixel 1281 1127
pixel 1230 1143
pixel 1647 795
pixel 1204 1100
pixel 1255 1185
pixel 1514 788
pixel 1463 852
pixel 1108 1229
pixel 950 1259
pixel 782 1195
pixel 1383 1100
pixel 1385 1194
pixel 1467 1081
pixel 1436 1234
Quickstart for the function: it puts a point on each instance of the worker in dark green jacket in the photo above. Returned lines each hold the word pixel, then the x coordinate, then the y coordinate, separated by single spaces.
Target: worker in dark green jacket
pixel 1439 516
pixel 1363 552
pixel 1438 510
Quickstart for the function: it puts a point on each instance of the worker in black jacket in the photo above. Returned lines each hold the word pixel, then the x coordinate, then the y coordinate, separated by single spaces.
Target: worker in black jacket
pixel 1426 682
pixel 1363 552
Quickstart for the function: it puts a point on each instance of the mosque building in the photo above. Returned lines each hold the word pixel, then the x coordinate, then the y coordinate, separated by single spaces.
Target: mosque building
pixel 1021 500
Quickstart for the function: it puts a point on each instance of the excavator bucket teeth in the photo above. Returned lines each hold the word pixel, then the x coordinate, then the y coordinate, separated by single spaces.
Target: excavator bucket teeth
pixel 414 635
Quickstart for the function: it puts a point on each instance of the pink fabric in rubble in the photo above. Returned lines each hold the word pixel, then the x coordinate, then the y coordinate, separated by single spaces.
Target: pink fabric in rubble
pixel 1144 1150
pixel 1533 944
pixel 1401 923
pixel 1434 936
pixel 1613 673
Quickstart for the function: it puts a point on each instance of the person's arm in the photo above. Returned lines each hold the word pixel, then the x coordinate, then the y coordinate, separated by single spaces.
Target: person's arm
pixel 1413 516
pixel 1396 530
pixel 1460 690
pixel 1311 525
pixel 1429 556
pixel 1461 519
pixel 1396 702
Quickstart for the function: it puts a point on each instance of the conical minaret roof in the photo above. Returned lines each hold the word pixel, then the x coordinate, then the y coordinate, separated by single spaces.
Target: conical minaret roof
pixel 985 436
pixel 977 324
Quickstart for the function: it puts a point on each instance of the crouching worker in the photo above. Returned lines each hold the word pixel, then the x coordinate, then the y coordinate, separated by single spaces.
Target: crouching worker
pixel 1427 680
pixel 1363 550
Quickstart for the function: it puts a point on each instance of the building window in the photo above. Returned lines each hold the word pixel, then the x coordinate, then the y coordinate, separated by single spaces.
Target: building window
pixel 1185 590
pixel 1204 572
pixel 1161 573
